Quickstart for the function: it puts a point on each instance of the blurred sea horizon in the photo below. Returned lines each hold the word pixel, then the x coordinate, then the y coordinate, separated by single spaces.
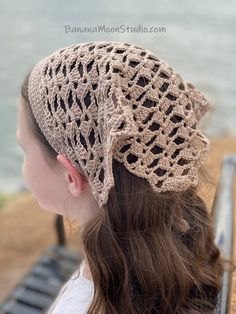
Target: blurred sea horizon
pixel 199 43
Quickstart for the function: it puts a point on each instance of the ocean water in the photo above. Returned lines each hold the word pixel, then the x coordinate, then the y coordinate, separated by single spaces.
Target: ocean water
pixel 199 43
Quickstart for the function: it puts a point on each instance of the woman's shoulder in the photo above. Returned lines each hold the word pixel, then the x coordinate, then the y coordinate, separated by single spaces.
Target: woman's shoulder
pixel 75 296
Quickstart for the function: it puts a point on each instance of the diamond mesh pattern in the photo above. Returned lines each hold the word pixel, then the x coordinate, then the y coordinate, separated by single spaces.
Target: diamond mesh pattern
pixel 103 100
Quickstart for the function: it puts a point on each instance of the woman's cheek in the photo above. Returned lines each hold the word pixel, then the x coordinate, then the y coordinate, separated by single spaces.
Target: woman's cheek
pixel 23 168
pixel 25 173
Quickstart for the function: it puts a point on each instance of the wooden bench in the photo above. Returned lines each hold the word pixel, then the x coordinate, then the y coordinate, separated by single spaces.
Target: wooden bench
pixel 223 215
pixel 37 290
pixel 40 286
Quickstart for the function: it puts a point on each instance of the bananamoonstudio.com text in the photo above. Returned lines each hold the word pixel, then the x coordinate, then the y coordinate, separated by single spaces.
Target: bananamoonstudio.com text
pixel 114 29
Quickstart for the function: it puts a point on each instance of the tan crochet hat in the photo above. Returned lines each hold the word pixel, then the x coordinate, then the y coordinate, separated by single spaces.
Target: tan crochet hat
pixel 102 100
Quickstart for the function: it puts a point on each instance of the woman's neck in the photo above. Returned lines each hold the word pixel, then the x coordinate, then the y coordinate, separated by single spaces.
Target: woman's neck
pixel 86 271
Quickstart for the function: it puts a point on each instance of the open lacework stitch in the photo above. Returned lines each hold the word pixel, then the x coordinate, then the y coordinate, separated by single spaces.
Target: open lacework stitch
pixel 103 100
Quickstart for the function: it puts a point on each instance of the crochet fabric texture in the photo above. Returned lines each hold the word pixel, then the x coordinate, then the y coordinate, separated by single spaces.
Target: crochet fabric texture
pixel 102 100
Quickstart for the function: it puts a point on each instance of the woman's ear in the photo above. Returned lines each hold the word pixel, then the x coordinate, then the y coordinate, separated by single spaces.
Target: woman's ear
pixel 74 179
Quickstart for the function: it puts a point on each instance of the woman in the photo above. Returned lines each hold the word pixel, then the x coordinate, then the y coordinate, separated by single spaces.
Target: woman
pixel 110 139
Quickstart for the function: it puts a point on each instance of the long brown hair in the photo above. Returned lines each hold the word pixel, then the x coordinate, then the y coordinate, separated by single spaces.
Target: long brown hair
pixel 140 257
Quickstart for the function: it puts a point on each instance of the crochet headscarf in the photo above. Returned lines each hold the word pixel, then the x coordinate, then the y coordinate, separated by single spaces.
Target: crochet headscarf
pixel 102 100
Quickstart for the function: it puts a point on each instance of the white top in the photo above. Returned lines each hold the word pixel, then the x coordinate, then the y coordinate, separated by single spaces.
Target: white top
pixel 75 295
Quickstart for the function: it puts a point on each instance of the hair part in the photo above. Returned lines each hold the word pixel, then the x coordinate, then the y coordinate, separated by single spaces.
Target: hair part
pixel 140 259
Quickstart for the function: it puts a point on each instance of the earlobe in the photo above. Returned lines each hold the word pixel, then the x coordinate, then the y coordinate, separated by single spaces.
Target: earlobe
pixel 75 185
pixel 73 178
